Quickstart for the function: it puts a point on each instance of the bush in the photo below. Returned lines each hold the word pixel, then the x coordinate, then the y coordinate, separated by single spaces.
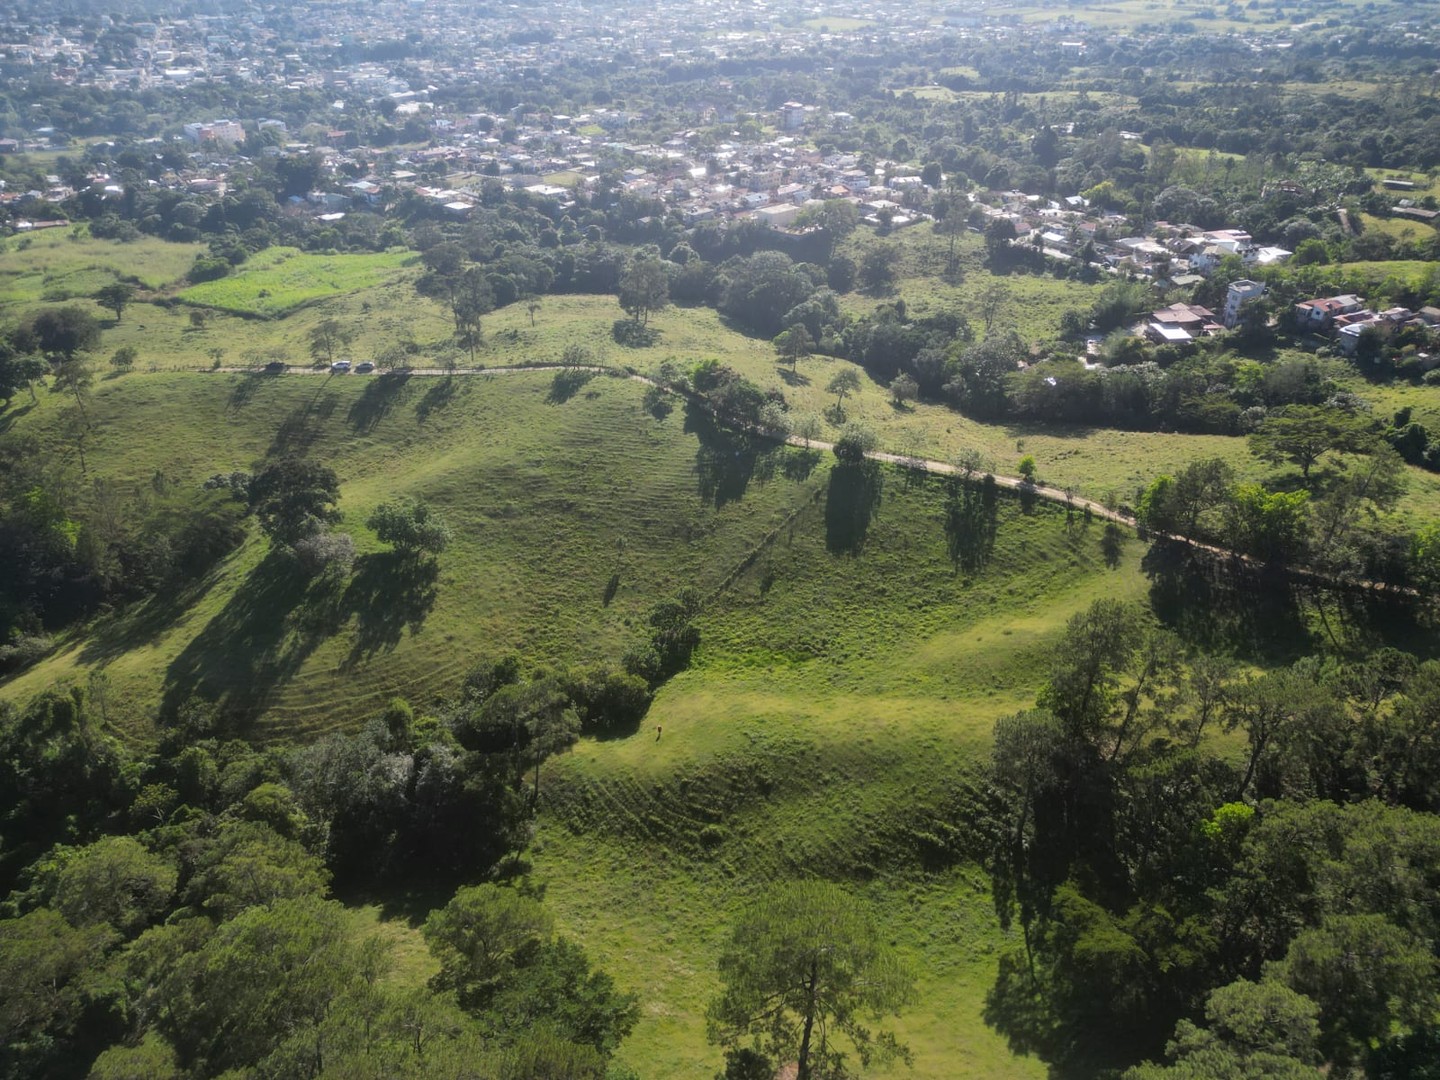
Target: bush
pixel 632 334
pixel 410 527
pixel 208 268
pixel 326 552
pixel 608 701
pixel 23 650
pixel 854 443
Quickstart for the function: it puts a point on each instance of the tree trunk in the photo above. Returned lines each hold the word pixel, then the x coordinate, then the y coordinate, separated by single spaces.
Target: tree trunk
pixel 803 1072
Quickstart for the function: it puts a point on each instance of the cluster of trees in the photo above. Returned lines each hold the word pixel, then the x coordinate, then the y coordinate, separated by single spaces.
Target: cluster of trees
pixel 1206 392
pixel 168 913
pixel 71 547
pixel 1335 524
pixel 1267 906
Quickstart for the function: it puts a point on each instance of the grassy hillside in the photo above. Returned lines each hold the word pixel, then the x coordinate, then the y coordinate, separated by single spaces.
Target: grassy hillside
pixel 373 294
pixel 540 493
pixel 827 730
pixel 848 677
pixel 854 654
pixel 62 264
pixel 280 279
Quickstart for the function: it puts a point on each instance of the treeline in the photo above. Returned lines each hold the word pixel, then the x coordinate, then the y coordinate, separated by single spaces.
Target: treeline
pixel 1244 860
pixel 169 913
pixel 1335 525
pixel 71 546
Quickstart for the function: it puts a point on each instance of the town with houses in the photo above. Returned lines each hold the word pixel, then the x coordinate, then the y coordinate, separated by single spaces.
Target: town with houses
pixel 769 171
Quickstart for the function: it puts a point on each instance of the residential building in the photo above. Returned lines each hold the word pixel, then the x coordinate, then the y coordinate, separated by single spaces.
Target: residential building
pixel 1321 313
pixel 1237 296
pixel 228 132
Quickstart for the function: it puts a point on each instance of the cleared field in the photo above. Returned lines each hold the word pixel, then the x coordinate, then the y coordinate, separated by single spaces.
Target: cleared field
pixel 1113 14
pixel 837 24
pixel 1426 183
pixel 280 280
pixel 1398 227
pixel 59 264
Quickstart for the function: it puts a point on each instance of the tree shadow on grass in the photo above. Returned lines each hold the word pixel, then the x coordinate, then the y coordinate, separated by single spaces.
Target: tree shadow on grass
pixel 441 394
pixel 850 502
pixel 244 388
pixel 381 395
pixel 791 377
pixel 390 592
pixel 726 461
pixel 799 464
pixel 142 623
pixel 970 524
pixel 1017 431
pixel 254 646
pixel 1224 606
pixel 298 431
pixel 567 383
pixel 8 418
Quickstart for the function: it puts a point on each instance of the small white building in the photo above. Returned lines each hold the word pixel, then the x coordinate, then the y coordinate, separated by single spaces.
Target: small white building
pixel 779 215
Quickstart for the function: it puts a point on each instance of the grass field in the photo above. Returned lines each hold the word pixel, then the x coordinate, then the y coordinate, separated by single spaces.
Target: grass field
pixel 849 675
pixel 1099 463
pixel 837 702
pixel 56 265
pixel 280 280
pixel 1398 227
pixel 1425 183
pixel 837 24
pixel 538 491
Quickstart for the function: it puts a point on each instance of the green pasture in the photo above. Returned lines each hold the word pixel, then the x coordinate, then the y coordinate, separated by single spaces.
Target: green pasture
pixel 1401 228
pixel 57 265
pixel 280 280
pixel 541 493
pixel 837 705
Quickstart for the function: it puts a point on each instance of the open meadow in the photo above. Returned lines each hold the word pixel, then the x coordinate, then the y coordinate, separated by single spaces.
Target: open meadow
pixel 56 265
pixel 279 280
pixel 853 655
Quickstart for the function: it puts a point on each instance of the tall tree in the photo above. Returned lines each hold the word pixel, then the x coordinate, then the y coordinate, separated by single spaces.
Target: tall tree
pixel 793 344
pixel 327 337
pixel 294 499
pixel 842 385
pixel 116 297
pixel 77 376
pixel 644 288
pixel 805 966
pixel 62 332
pixel 1303 434
pixel 411 527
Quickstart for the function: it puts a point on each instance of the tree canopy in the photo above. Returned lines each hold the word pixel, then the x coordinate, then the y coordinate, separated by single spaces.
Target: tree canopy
pixel 804 971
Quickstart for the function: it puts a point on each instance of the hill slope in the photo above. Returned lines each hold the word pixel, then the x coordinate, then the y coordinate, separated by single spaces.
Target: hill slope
pixel 829 729
pixel 548 500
